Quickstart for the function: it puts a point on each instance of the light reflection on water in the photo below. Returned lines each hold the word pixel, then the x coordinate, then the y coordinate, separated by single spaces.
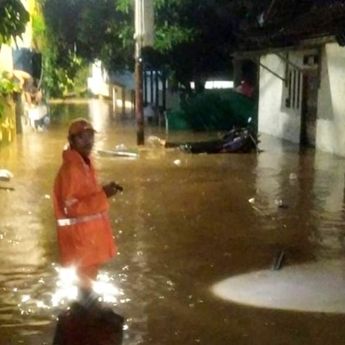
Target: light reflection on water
pixel 180 227
pixel 310 287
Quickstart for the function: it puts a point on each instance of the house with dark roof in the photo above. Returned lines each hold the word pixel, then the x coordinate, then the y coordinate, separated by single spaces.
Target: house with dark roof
pixel 299 47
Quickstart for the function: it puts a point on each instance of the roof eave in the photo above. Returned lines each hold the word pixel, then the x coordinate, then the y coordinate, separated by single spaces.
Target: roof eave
pixel 310 43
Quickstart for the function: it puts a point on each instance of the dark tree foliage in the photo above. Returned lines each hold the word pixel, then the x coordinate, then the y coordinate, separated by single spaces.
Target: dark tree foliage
pixel 106 32
pixel 80 31
pixel 194 39
pixel 90 29
pixel 207 51
pixel 207 32
pixel 13 18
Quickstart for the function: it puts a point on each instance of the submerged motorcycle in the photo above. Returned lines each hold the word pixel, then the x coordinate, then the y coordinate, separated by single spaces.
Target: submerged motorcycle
pixel 237 140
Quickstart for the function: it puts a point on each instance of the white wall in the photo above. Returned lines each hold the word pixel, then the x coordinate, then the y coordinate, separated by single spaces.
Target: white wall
pixel 331 105
pixel 278 120
pixel 6 60
pixel 97 83
pixel 274 117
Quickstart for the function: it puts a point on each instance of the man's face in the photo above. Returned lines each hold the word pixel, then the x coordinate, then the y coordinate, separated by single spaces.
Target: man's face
pixel 83 142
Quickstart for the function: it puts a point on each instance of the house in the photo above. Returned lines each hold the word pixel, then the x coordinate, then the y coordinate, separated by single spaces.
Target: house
pixel 21 62
pixel 119 87
pixel 299 49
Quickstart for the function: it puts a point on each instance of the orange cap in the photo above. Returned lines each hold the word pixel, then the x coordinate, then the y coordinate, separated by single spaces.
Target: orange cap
pixel 79 125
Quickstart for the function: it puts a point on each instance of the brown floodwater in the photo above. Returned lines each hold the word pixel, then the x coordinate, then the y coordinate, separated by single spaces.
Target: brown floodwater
pixel 197 237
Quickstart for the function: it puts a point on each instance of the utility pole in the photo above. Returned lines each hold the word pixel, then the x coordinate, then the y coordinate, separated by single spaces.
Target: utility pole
pixel 139 106
pixel 143 37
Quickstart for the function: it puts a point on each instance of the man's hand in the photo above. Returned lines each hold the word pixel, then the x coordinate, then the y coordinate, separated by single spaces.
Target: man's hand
pixel 111 189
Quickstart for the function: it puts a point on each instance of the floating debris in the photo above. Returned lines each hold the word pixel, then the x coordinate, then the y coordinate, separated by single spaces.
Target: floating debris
pixel 5 175
pixel 8 189
pixel 117 153
pixel 155 141
pixel 293 176
pixel 278 261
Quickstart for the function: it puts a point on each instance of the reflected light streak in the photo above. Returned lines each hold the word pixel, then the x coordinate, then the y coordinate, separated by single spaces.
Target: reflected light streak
pixel 312 287
pixel 105 289
pixel 67 292
pixel 67 287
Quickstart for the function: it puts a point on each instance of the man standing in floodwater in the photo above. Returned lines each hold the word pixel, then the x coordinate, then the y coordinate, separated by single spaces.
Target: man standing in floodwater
pixel 81 208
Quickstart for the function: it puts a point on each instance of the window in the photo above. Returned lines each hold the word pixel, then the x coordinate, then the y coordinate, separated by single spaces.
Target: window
pixel 293 86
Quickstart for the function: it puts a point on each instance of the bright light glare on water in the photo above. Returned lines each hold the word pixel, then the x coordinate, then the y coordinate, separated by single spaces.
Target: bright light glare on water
pixel 104 287
pixel 312 287
pixel 67 287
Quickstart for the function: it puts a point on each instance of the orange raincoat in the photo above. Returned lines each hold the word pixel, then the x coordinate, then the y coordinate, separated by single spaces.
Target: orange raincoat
pixel 81 209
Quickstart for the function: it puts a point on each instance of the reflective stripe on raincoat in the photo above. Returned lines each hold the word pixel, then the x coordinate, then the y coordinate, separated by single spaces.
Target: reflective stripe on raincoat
pixel 81 209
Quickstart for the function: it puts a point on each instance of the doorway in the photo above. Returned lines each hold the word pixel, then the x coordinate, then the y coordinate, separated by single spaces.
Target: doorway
pixel 309 108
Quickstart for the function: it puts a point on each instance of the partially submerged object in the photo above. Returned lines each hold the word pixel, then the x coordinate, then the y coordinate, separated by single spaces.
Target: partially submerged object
pixel 38 116
pixel 5 175
pixel 8 189
pixel 278 260
pixel 237 140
